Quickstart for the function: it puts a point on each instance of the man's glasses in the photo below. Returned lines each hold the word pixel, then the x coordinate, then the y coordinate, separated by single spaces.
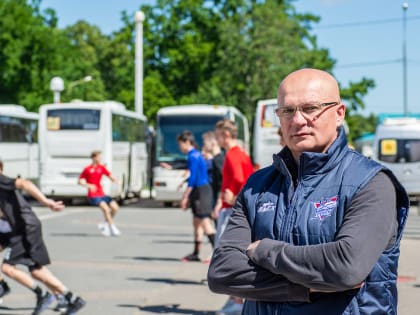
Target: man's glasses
pixel 308 110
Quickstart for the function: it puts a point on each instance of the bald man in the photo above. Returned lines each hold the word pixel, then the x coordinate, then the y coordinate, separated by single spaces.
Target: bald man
pixel 319 231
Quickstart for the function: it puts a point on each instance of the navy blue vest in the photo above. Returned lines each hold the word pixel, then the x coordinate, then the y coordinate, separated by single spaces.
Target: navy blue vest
pixel 312 212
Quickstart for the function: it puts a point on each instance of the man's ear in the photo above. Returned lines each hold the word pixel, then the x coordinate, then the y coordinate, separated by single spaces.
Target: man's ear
pixel 341 113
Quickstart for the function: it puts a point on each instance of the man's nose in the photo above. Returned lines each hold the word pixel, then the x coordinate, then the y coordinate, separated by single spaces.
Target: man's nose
pixel 299 117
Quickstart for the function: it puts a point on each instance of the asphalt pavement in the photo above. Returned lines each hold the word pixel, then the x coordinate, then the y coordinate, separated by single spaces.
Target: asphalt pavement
pixel 140 272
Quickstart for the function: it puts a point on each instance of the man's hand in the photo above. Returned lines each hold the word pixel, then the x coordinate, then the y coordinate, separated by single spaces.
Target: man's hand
pixel 184 203
pixel 92 187
pixel 55 205
pixel 252 246
pixel 165 165
pixel 180 185
pixel 229 197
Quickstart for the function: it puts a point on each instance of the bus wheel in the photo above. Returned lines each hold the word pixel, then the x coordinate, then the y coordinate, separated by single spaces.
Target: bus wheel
pixel 67 201
pixel 120 201
pixel 167 204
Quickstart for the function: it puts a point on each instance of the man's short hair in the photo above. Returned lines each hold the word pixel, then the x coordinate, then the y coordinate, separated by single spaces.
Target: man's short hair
pixel 229 126
pixel 95 153
pixel 185 136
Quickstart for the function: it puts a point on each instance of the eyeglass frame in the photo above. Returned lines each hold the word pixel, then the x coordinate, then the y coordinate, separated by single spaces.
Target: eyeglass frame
pixel 299 108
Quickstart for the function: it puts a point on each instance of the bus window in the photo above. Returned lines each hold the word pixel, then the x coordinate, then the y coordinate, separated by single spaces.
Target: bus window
pixel 126 128
pixel 73 119
pixel 399 150
pixel 18 142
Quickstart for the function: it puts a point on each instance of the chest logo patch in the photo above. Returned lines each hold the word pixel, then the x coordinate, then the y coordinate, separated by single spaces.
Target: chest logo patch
pixel 325 207
pixel 266 207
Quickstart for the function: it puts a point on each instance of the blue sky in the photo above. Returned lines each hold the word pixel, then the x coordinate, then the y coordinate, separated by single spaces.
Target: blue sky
pixel 372 50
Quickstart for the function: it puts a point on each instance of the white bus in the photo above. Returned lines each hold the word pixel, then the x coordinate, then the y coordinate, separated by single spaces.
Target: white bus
pixel 173 120
pixel 266 140
pixel 19 148
pixel 68 134
pixel 397 146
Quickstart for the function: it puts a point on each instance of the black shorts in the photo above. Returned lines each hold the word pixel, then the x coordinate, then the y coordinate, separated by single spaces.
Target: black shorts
pixel 201 199
pixel 18 253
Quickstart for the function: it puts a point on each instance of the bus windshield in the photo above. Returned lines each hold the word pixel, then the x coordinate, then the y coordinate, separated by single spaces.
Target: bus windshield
pixel 399 150
pixel 73 119
pixel 170 126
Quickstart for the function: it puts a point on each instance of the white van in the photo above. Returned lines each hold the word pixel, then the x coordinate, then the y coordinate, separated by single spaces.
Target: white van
pixel 397 146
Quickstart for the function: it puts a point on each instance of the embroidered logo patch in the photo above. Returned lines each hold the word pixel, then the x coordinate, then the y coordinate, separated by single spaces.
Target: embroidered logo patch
pixel 266 207
pixel 325 207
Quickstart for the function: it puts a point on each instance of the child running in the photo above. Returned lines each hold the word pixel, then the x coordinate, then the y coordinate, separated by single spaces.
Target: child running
pixel 21 235
pixel 91 179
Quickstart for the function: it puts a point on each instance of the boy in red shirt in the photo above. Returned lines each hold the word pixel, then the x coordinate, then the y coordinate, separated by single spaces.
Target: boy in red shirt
pixel 91 179
pixel 237 167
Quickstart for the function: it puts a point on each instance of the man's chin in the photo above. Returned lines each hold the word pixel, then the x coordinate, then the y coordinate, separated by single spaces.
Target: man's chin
pixel 302 146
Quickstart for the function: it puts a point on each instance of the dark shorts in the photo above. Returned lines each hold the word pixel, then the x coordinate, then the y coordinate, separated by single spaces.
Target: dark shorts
pixel 97 200
pixel 18 253
pixel 201 199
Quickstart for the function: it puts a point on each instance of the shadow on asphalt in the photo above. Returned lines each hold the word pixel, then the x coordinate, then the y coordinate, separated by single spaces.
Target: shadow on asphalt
pixel 10 309
pixel 146 203
pixel 75 235
pixel 172 308
pixel 172 242
pixel 169 281
pixel 165 234
pixel 148 258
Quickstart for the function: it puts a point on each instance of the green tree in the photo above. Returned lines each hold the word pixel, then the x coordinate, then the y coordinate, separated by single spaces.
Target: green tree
pixel 87 44
pixel 233 52
pixel 353 98
pixel 260 43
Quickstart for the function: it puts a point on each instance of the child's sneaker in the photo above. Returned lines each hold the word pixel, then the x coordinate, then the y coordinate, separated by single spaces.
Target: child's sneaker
pixel 62 303
pixel 43 302
pixel 75 306
pixel 106 231
pixel 114 230
pixel 191 257
pixel 101 225
pixel 4 290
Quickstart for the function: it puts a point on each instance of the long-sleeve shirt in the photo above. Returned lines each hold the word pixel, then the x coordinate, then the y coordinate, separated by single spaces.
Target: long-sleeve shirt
pixel 279 272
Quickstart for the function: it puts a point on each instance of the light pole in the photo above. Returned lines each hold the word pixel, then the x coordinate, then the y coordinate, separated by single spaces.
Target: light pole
pixel 404 60
pixel 139 19
pixel 80 81
pixel 57 86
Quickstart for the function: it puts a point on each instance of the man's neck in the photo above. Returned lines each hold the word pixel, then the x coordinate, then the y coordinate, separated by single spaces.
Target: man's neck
pixel 231 144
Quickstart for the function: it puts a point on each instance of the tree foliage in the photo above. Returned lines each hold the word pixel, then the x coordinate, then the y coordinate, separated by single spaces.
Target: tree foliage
pixel 232 52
